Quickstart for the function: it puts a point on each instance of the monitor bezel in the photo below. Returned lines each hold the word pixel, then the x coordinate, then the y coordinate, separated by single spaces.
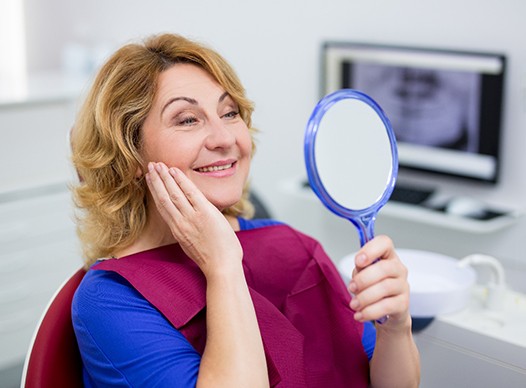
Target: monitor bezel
pixel 491 118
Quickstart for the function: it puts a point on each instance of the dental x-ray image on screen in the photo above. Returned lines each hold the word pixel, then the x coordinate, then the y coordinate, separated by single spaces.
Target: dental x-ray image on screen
pixel 445 106
pixel 430 107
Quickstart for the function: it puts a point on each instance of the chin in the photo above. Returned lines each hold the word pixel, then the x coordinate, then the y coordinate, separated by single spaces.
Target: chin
pixel 223 202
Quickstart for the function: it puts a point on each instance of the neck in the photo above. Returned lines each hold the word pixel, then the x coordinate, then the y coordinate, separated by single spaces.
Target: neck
pixel 157 233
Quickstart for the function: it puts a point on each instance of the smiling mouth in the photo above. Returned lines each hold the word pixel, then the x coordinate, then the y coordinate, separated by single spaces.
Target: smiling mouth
pixel 215 168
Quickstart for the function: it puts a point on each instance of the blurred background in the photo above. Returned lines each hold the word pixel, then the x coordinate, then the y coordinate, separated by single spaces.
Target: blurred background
pixel 51 48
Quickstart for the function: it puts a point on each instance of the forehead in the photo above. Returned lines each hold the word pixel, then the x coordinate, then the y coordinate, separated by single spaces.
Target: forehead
pixel 186 80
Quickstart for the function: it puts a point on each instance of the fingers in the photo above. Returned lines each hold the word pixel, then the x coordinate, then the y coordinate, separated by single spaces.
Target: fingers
pixel 194 196
pixel 388 297
pixel 381 247
pixel 382 270
pixel 379 284
pixel 172 190
pixel 168 197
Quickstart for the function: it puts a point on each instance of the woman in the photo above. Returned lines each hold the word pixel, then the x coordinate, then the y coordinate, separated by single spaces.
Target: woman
pixel 183 289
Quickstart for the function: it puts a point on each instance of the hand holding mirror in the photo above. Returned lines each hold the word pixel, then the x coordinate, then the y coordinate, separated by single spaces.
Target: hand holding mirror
pixel 351 158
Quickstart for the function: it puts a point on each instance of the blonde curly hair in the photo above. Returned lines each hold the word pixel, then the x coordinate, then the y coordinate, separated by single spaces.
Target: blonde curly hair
pixel 106 140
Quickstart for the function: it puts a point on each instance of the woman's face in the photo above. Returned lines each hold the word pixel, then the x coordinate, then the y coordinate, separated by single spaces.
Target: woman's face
pixel 195 125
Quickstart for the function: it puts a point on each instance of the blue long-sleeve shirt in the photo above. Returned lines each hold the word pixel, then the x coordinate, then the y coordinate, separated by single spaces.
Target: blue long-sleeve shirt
pixel 125 341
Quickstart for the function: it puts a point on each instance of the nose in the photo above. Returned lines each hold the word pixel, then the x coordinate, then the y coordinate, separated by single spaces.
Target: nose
pixel 220 135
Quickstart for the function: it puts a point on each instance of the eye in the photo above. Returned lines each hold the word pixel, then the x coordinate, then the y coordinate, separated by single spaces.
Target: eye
pixel 186 120
pixel 231 115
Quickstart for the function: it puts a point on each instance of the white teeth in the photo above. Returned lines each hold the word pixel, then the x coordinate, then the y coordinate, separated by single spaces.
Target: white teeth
pixel 214 168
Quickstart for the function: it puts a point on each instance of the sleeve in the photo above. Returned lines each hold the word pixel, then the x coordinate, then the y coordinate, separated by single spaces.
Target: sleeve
pixel 125 341
pixel 369 339
pixel 246 224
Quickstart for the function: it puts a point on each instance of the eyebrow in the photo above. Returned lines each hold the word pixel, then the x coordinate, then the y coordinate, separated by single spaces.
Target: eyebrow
pixel 190 100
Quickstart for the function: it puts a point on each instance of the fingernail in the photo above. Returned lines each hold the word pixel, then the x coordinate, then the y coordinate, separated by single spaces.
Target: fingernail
pixel 358 317
pixel 353 287
pixel 150 167
pixel 355 304
pixel 173 171
pixel 360 259
pixel 158 167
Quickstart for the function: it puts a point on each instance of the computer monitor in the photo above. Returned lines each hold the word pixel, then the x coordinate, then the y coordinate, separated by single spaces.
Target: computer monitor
pixel 445 106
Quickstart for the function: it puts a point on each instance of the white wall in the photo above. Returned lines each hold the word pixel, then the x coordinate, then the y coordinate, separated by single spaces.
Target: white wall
pixel 274 46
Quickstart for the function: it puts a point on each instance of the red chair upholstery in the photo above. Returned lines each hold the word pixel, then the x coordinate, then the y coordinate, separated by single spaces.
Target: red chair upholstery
pixel 53 359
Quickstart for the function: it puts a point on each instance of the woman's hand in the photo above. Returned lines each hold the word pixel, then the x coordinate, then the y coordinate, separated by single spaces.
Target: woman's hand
pixel 234 354
pixel 380 288
pixel 199 227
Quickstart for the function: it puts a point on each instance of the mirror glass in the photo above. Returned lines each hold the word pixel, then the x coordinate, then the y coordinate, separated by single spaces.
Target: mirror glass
pixel 351 157
pixel 353 154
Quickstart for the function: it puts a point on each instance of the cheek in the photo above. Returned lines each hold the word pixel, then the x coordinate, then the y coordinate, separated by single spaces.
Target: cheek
pixel 174 151
pixel 245 143
pixel 177 156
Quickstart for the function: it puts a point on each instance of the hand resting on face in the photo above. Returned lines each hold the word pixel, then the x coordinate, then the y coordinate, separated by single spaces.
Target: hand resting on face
pixel 199 227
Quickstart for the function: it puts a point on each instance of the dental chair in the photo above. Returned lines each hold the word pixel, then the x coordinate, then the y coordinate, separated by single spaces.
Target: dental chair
pixel 53 359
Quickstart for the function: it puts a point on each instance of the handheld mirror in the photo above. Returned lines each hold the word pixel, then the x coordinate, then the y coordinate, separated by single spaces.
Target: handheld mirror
pixel 351 157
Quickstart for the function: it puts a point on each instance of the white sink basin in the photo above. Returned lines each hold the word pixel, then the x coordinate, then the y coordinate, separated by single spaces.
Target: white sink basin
pixel 438 285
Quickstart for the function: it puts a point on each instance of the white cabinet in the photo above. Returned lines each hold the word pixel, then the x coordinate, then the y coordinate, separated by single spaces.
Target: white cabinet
pixel 33 145
pixel 38 245
pixel 452 356
pixel 38 251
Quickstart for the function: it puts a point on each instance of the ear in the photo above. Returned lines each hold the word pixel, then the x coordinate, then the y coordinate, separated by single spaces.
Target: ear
pixel 138 173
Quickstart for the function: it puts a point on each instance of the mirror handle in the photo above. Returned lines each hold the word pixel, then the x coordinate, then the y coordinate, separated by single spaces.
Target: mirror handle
pixel 365 226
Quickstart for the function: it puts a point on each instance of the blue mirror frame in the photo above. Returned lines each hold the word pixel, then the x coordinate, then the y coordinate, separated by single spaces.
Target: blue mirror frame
pixel 363 218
